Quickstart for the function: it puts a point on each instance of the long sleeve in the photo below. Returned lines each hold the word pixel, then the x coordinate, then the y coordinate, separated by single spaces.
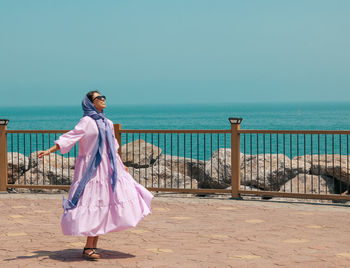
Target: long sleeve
pixel 67 140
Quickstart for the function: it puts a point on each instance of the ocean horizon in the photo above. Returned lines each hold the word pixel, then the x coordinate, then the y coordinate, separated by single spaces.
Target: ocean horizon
pixel 280 116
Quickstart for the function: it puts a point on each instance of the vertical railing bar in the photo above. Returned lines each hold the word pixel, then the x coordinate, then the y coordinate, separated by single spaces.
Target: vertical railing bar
pixel 347 160
pixel 152 157
pixel 50 161
pixel 184 160
pixel 42 148
pixel 244 160
pixel 55 160
pixel 304 163
pixel 62 169
pixel 24 153
pixel 204 157
pixel 25 182
pixel 319 168
pixel 139 157
pixel 30 158
pixel 69 154
pixel 13 177
pixel 277 159
pixel 178 159
pixel 312 181
pixel 291 158
pixel 37 169
pixel 225 155
pixel 340 173
pixel 264 145
pixel 218 149
pixel 270 154
pixel 145 135
pixel 171 160
pixel 211 155
pixel 133 154
pixel 127 146
pixel 251 154
pixel 298 163
pixel 326 151
pixel 198 155
pixel 191 161
pixel 165 165
pixel 159 162
pixel 257 157
pixel 333 160
pixel 284 162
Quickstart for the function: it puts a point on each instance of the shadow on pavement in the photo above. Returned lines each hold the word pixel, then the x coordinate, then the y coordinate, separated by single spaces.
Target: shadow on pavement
pixel 72 255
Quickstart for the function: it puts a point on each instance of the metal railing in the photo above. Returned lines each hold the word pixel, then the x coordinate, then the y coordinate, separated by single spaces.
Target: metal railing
pixel 298 164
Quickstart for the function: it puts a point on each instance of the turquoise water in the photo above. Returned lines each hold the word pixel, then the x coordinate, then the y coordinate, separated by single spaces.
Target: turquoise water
pixel 323 116
pixel 284 116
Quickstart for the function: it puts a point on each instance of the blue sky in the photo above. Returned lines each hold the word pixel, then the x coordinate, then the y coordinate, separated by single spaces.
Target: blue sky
pixel 183 51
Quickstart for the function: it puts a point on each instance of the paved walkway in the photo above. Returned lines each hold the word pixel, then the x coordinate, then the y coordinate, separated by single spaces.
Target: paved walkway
pixel 183 231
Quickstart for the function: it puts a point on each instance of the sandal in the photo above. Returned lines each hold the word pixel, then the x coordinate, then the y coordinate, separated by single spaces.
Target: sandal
pixel 92 255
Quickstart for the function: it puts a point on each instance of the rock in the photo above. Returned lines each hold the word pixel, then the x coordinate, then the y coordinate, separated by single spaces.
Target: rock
pixel 162 177
pixel 218 170
pixel 139 154
pixel 328 165
pixel 48 176
pixel 17 164
pixel 53 160
pixel 267 172
pixel 309 184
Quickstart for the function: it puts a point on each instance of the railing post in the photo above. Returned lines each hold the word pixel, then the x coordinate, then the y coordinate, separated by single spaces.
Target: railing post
pixel 3 155
pixel 118 136
pixel 235 156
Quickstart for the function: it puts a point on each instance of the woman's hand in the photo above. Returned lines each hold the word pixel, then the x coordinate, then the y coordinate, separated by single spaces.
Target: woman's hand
pixel 43 153
pixel 126 168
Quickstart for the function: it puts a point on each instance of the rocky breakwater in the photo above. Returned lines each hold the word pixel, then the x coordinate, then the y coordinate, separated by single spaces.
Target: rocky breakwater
pixel 50 170
pixel 277 172
pixel 150 167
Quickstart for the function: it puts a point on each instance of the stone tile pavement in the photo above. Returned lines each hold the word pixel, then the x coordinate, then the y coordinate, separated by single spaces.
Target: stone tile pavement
pixel 183 231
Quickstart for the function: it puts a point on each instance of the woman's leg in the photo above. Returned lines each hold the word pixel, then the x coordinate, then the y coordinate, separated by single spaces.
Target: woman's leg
pixel 90 245
pixel 90 242
pixel 95 242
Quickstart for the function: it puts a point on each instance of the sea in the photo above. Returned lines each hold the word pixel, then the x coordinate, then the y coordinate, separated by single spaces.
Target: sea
pixel 279 116
pixel 267 116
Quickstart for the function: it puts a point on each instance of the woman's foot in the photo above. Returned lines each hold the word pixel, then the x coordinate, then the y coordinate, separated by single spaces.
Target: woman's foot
pixel 91 254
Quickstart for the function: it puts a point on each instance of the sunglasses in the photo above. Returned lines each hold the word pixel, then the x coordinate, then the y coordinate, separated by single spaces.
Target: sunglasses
pixel 99 98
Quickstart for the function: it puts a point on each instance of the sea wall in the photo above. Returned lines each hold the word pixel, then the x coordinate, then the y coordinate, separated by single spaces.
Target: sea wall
pixel 152 168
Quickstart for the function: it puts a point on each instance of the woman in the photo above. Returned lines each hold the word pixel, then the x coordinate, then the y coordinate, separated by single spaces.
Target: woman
pixel 103 196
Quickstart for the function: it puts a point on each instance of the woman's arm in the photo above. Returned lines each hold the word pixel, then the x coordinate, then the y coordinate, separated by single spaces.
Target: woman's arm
pixel 53 149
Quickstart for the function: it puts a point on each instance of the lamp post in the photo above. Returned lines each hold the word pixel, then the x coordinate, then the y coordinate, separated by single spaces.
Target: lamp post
pixel 235 156
pixel 235 120
pixel 3 155
pixel 4 122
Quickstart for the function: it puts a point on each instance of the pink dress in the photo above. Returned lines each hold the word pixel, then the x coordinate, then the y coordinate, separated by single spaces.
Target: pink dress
pixel 96 212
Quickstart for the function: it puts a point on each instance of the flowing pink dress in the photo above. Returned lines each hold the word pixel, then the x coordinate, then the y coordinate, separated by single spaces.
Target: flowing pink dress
pixel 96 212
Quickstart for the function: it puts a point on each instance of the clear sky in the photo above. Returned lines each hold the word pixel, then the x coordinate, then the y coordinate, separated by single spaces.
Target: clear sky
pixel 179 51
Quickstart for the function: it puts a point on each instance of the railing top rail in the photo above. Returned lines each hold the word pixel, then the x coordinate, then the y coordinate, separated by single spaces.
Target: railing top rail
pixel 257 131
pixel 227 131
pixel 175 131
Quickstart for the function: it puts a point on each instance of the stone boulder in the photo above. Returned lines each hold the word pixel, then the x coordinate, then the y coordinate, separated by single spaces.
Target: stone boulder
pixel 17 164
pixel 217 170
pixel 309 184
pixel 48 176
pixel 162 177
pixel 139 154
pixel 53 161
